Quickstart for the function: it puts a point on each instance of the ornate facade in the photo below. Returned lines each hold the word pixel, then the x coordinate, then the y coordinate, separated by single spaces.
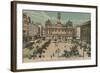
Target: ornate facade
pixel 59 31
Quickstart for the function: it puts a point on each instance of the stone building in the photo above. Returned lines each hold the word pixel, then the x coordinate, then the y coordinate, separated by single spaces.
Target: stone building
pixel 59 31
pixel 86 32
pixel 26 22
pixel 33 31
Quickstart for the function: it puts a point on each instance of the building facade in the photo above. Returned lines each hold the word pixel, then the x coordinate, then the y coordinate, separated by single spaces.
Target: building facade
pixel 86 32
pixel 26 23
pixel 33 31
pixel 59 31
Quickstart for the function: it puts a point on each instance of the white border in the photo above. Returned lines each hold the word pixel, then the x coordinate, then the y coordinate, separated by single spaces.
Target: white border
pixel 21 65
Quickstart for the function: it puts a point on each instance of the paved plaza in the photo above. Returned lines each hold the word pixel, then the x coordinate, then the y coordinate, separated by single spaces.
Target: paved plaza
pixel 55 51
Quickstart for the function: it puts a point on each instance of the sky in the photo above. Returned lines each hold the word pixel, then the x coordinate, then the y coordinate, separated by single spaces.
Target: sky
pixel 42 16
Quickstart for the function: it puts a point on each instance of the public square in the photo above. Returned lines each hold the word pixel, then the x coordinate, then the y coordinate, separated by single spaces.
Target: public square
pixel 51 40
pixel 50 50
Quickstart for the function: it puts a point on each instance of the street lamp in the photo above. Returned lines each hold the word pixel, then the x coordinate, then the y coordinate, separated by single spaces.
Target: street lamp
pixel 58 51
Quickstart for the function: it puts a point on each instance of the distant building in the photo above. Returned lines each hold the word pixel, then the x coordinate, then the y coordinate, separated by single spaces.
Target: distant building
pixel 86 32
pixel 33 31
pixel 26 22
pixel 40 31
pixel 59 31
pixel 78 32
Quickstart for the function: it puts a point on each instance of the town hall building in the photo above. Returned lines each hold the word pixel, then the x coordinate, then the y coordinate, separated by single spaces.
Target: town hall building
pixel 59 31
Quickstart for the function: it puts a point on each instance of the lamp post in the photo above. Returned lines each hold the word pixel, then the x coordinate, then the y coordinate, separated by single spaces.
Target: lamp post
pixel 58 51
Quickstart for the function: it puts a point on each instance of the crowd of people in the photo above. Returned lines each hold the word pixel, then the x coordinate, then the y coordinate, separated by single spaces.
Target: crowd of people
pixel 39 47
pixel 36 48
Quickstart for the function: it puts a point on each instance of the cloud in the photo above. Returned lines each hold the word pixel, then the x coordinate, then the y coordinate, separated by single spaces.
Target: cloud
pixel 42 16
pixel 45 15
pixel 38 16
